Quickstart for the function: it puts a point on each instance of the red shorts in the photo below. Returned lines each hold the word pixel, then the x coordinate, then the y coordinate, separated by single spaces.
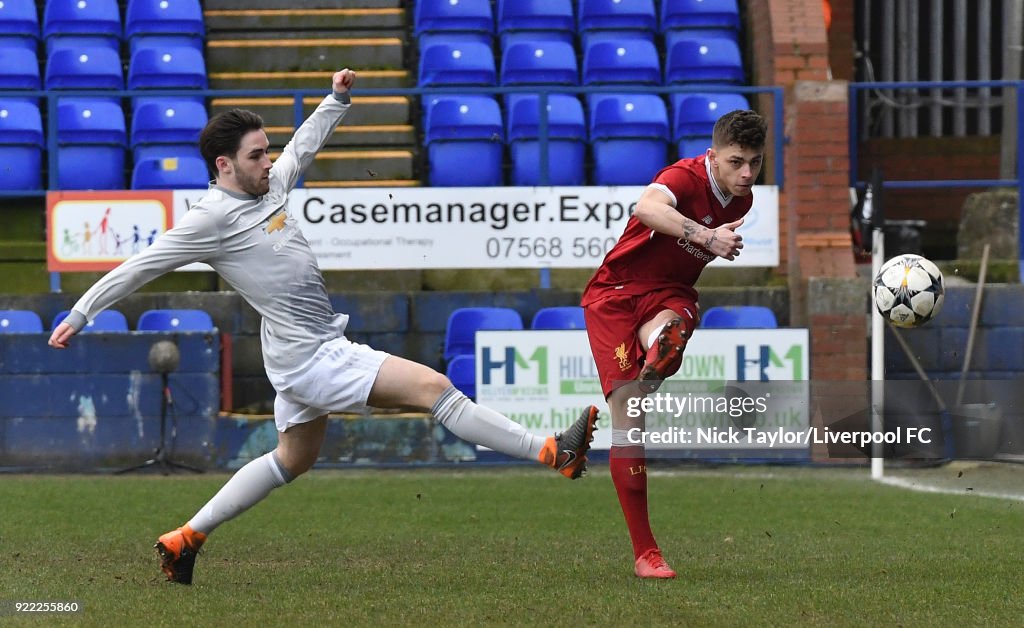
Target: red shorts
pixel 614 322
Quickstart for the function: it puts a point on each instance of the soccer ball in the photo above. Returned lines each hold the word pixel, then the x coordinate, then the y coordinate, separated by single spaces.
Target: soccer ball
pixel 909 290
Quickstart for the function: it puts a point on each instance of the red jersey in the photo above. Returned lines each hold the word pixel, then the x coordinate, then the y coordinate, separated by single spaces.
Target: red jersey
pixel 644 260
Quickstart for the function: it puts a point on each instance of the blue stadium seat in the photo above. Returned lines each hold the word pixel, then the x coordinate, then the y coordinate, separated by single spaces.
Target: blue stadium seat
pixel 637 15
pixel 21 145
pixel 469 117
pixel 170 67
pixel 739 317
pixel 461 372
pixel 175 320
pixel 536 15
pixel 448 162
pixel 567 134
pixel 15 41
pixel 74 42
pixel 468 63
pixel 81 17
pixel 700 33
pixel 164 151
pixel 539 63
pixel 20 321
pixel 633 61
pixel 564 317
pixel 455 39
pixel 695 114
pixel 453 15
pixel 91 141
pixel 693 146
pixel 84 68
pixel 165 41
pixel 464 130
pixel 589 37
pixel 167 17
pixel 19 68
pixel 509 38
pixel 169 122
pixel 463 323
pixel 676 14
pixel 708 59
pixel 107 320
pixel 19 25
pixel 170 173
pixel 90 121
pixel 629 137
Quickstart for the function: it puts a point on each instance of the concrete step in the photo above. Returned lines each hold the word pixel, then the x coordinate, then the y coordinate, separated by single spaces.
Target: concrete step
pixel 294 55
pixel 289 20
pixel 319 33
pixel 369 166
pixel 279 112
pixel 316 79
pixel 221 5
pixel 375 183
pixel 372 135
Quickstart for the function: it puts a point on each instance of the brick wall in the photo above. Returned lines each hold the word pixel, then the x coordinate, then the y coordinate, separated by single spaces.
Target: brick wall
pixel 790 48
pixel 928 158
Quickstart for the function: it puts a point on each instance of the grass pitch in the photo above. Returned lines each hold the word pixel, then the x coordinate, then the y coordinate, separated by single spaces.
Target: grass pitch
pixel 768 546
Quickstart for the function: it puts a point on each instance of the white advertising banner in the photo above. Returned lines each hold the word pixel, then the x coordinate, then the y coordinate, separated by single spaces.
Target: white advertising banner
pixel 485 227
pixel 730 380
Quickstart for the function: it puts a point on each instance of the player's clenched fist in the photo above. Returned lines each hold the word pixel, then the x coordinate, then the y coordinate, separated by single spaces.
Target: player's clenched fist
pixel 342 80
pixel 60 336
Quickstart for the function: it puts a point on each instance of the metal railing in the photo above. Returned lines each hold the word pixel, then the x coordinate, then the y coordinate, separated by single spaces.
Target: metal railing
pixel 1014 87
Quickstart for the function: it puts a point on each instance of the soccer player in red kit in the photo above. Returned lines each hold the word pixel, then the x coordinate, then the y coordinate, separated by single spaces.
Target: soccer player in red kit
pixel 641 306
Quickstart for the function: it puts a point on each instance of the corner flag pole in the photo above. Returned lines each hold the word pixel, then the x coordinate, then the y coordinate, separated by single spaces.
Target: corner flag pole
pixel 873 204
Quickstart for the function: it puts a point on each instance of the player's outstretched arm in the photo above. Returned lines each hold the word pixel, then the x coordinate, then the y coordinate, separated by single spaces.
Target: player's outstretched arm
pixel 312 134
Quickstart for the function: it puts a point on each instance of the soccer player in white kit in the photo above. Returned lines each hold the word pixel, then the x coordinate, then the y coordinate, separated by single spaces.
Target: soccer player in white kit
pixel 242 229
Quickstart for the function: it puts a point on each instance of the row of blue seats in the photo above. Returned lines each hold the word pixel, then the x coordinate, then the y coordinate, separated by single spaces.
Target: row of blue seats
pixel 605 61
pixel 27 321
pixel 559 15
pixel 463 323
pixel 92 140
pixel 20 18
pixel 113 44
pixel 151 66
pixel 629 136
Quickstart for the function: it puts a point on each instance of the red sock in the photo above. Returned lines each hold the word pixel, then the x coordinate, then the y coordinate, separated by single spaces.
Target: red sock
pixel 629 474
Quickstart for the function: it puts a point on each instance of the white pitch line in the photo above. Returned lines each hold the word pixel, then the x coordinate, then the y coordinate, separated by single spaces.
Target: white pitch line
pixel 913 486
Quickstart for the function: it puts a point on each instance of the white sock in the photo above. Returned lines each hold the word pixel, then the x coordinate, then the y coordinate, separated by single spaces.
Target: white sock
pixel 620 438
pixel 247 486
pixel 484 426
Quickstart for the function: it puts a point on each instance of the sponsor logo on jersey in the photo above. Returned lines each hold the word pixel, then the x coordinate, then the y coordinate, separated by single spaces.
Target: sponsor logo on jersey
pixel 276 223
pixel 697 251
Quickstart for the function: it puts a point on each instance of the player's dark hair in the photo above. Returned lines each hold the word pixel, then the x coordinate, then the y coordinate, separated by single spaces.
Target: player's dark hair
pixel 742 127
pixel 223 134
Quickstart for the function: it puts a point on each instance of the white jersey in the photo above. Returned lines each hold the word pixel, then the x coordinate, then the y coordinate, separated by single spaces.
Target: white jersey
pixel 256 247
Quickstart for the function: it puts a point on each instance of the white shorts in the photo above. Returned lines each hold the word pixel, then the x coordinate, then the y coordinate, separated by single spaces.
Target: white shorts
pixel 337 378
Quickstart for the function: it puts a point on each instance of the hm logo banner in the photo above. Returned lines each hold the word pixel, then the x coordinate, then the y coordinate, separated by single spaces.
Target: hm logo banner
pixel 763 363
pixel 513 369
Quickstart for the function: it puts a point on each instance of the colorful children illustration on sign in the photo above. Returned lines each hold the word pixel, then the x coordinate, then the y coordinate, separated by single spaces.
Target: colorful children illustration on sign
pixel 94 231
